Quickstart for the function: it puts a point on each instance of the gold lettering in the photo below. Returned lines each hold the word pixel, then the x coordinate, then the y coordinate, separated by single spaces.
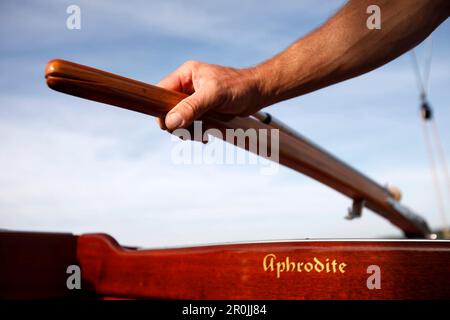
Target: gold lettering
pixel 308 267
pixel 289 265
pixel 342 265
pixel 333 264
pixel 271 264
pixel 319 265
pixel 281 266
pixel 272 257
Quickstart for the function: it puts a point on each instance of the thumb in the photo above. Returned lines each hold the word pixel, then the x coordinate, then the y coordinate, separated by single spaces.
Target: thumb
pixel 185 112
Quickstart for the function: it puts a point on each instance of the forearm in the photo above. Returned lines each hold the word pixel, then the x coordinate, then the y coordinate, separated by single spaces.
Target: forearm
pixel 340 49
pixel 344 47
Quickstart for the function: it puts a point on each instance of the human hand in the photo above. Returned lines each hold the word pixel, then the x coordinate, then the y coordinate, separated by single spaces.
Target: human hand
pixel 222 90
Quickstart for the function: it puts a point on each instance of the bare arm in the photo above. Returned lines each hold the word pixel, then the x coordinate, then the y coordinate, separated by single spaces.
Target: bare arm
pixel 340 49
pixel 344 47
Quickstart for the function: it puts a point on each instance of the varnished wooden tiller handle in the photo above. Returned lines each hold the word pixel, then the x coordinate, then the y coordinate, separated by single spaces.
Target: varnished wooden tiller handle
pixel 295 151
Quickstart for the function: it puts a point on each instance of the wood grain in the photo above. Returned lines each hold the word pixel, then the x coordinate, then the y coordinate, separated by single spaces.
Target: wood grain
pixel 34 266
pixel 296 153
pixel 409 270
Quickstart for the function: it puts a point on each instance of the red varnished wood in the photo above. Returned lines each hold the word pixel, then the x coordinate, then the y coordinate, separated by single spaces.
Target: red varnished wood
pixel 294 152
pixel 34 266
pixel 409 270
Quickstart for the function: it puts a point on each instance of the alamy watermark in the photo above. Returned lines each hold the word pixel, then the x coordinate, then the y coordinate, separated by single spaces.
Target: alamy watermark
pixel 263 145
pixel 73 21
pixel 374 280
pixel 374 20
pixel 74 279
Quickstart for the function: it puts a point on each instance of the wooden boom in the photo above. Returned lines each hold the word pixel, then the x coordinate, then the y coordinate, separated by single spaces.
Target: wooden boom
pixel 295 151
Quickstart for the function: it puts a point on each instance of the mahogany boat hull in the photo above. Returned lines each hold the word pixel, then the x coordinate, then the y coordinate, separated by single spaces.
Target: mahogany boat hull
pixel 36 267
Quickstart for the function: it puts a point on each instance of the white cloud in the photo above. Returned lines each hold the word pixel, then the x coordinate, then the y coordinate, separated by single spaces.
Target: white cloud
pixel 221 23
pixel 70 176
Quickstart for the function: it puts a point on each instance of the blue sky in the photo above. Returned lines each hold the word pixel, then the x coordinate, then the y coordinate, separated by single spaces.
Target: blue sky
pixel 77 166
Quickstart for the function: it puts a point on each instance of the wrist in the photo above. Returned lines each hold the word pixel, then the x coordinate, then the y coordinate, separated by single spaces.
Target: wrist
pixel 260 85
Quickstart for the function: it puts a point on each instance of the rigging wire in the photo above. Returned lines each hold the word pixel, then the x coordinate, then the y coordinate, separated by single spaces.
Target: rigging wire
pixel 427 117
pixel 434 174
pixel 441 155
